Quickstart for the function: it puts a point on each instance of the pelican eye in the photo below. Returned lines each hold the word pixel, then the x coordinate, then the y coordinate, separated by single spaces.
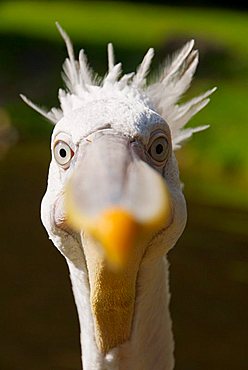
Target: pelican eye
pixel 63 153
pixel 158 149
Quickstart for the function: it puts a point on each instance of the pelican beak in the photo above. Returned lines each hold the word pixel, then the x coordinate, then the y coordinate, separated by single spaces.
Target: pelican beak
pixel 116 198
pixel 116 201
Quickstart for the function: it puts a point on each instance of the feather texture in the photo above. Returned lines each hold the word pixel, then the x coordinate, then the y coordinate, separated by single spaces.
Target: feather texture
pixel 111 57
pixel 140 76
pixel 84 71
pixel 113 75
pixel 163 94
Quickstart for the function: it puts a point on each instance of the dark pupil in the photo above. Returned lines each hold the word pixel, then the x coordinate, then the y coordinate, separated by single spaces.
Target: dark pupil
pixel 159 149
pixel 62 153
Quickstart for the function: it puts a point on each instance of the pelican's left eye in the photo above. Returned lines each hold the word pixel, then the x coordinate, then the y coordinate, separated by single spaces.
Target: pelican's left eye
pixel 63 153
pixel 158 149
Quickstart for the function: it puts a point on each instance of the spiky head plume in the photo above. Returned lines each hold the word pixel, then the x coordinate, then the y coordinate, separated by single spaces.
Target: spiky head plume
pixel 163 94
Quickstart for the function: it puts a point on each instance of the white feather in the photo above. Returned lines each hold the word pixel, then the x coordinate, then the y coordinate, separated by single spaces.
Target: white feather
pixel 163 94
pixel 184 108
pixel 111 57
pixel 113 75
pixel 186 134
pixel 169 90
pixel 70 66
pixel 48 115
pixel 143 69
pixel 177 61
pixel 84 70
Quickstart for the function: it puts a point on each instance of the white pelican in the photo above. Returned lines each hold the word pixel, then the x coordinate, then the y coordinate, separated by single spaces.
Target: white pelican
pixel 114 204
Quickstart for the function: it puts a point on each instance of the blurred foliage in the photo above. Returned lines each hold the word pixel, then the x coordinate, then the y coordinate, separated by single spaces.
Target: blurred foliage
pixel 132 25
pixel 215 163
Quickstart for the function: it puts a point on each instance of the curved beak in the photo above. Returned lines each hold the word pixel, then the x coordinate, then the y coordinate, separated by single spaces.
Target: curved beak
pixel 115 197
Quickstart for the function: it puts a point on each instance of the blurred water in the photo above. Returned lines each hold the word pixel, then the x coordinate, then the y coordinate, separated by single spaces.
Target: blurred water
pixel 39 328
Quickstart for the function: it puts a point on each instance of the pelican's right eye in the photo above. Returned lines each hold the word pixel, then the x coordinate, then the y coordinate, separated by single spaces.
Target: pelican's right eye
pixel 63 153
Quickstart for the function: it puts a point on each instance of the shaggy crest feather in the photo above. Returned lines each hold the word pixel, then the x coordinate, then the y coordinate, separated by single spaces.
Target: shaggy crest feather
pixel 140 76
pixel 163 94
pixel 111 57
pixel 113 75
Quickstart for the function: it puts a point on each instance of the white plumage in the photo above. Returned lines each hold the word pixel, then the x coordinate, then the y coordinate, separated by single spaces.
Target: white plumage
pixel 114 177
pixel 164 93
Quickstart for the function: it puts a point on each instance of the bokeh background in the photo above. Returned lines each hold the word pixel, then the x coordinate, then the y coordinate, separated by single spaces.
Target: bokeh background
pixel 209 265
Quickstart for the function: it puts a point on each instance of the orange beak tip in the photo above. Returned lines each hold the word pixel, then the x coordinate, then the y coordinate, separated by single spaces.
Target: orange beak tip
pixel 117 230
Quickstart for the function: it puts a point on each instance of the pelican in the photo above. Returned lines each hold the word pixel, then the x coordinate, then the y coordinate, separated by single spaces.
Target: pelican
pixel 114 204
